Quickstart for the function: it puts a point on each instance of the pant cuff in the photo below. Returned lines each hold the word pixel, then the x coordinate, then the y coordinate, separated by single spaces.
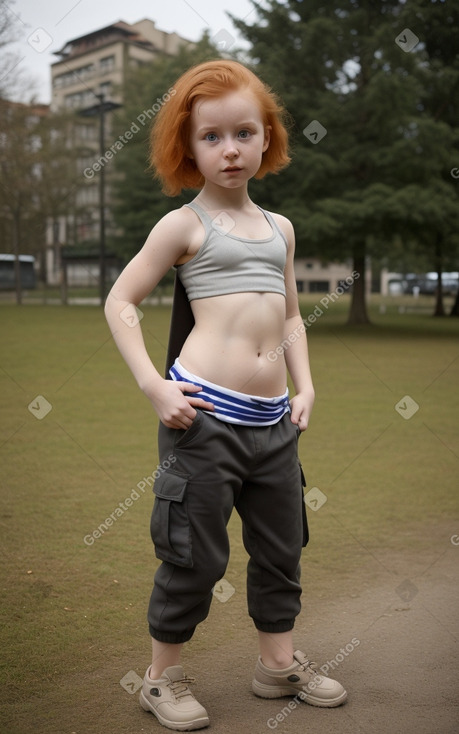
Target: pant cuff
pixel 172 638
pixel 284 625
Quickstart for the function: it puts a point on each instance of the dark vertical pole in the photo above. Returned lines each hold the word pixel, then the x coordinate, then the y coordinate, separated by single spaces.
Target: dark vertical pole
pixel 101 99
pixel 16 248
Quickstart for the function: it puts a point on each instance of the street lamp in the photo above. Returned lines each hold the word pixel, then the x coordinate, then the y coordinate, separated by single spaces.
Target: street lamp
pixel 100 109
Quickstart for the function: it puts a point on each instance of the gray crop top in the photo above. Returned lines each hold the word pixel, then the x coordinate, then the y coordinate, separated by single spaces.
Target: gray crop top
pixel 228 264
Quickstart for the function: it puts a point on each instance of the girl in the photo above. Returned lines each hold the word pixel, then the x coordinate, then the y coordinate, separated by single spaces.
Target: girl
pixel 224 411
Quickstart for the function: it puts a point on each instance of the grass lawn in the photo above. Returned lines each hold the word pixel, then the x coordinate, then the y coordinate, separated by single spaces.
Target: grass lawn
pixel 379 479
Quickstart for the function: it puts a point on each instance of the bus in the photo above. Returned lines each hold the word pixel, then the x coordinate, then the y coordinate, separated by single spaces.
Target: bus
pixel 27 270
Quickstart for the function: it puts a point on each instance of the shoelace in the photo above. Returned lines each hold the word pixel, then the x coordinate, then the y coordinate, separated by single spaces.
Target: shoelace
pixel 180 687
pixel 309 666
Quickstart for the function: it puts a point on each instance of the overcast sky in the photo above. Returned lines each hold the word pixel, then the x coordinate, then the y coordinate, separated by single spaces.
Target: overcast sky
pixel 45 26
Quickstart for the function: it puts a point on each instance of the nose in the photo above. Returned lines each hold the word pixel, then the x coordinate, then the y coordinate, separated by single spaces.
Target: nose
pixel 231 150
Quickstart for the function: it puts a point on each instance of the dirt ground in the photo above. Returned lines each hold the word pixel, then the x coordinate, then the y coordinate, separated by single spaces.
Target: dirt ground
pixel 402 676
pixel 396 621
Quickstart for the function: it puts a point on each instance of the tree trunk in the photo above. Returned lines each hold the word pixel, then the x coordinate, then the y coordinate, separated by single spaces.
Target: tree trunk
pixel 16 246
pixel 439 307
pixel 358 311
pixel 455 307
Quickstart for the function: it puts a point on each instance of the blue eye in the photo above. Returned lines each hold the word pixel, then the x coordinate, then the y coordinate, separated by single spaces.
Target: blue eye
pixel 211 137
pixel 244 134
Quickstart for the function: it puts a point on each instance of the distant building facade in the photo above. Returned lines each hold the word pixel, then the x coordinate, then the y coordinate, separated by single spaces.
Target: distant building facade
pixel 91 65
pixel 23 136
pixel 314 276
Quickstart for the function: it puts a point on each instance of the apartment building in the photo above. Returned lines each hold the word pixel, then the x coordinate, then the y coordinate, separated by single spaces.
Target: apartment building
pixel 97 62
pixel 90 66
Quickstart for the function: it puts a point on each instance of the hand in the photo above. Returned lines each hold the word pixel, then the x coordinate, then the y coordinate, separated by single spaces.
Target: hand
pixel 175 409
pixel 301 406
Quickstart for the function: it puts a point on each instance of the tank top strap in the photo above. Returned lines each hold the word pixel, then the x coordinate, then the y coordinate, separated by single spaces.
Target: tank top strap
pixel 273 223
pixel 203 216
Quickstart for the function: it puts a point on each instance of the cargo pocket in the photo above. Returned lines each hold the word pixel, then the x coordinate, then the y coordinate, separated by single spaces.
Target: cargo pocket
pixel 170 526
pixel 305 518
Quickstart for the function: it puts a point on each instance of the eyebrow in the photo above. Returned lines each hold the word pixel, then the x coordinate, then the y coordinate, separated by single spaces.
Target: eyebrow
pixel 246 123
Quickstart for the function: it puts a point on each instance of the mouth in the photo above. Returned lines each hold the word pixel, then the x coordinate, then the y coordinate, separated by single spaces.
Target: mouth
pixel 229 169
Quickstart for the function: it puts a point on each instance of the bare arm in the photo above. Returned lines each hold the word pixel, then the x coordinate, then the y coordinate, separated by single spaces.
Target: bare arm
pixel 166 243
pixel 296 355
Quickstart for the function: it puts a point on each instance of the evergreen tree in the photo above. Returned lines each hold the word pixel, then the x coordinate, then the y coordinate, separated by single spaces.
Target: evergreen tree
pixel 351 75
pixel 140 203
pixel 435 193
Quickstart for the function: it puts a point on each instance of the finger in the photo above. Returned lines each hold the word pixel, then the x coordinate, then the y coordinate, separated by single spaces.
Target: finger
pixel 182 421
pixel 299 421
pixel 188 387
pixel 200 403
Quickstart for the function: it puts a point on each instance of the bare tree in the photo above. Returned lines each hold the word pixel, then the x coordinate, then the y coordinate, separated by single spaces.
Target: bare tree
pixel 15 80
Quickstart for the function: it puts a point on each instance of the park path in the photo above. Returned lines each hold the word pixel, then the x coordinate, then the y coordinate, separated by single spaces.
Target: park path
pixel 402 677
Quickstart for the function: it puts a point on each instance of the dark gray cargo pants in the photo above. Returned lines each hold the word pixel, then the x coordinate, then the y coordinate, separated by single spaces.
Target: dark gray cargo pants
pixel 219 466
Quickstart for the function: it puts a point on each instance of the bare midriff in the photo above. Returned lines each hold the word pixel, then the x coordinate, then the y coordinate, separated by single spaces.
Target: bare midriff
pixel 232 338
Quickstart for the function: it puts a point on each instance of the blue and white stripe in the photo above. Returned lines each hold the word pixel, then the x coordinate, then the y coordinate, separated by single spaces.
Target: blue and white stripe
pixel 232 406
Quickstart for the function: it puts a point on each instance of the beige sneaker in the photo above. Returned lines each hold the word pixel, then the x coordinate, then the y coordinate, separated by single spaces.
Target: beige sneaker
pixel 172 702
pixel 299 679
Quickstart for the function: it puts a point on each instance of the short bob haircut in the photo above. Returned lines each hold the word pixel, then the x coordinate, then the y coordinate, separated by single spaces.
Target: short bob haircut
pixel 169 144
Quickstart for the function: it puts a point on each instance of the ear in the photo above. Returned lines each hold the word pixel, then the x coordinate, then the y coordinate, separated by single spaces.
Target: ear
pixel 267 137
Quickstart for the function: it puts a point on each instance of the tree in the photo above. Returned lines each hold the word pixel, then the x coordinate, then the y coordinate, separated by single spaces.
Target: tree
pixel 139 201
pixel 437 194
pixel 57 179
pixel 37 177
pixel 348 74
pixel 13 82
pixel 18 166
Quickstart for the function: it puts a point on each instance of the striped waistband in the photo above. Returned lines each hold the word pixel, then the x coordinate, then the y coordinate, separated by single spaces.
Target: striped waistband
pixel 232 406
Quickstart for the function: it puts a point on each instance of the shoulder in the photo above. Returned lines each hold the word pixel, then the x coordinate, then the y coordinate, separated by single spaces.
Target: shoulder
pixel 177 228
pixel 178 220
pixel 286 227
pixel 181 232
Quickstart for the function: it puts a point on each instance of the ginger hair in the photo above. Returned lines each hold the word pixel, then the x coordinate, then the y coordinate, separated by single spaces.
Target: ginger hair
pixel 169 142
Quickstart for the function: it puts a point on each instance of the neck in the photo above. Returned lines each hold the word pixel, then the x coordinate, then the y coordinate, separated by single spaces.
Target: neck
pixel 217 197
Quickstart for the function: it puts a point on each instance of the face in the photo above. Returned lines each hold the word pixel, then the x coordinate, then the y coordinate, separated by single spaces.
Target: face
pixel 228 138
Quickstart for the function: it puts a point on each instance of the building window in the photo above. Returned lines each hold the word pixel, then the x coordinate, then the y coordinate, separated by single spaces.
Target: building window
pixel 80 99
pixel 85 132
pixel 105 88
pixel 76 76
pixel 319 286
pixel 87 195
pixel 107 64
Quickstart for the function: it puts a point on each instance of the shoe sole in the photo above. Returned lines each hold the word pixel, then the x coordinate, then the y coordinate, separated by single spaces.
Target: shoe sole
pixel 176 725
pixel 265 691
